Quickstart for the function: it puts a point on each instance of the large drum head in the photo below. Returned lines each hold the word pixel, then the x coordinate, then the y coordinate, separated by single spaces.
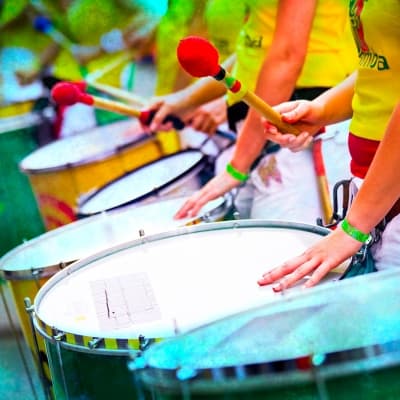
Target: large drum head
pixel 154 179
pixel 152 286
pixel 92 145
pixel 333 338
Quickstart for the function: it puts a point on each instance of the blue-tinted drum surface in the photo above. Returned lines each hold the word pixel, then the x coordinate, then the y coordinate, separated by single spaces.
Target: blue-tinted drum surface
pixel 337 341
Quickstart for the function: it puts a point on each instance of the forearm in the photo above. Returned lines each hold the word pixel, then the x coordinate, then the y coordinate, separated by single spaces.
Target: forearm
pixel 381 187
pixel 200 92
pixel 335 103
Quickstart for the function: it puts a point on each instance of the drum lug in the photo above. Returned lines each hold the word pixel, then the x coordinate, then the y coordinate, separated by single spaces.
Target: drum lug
pixel 58 335
pixel 95 342
pixel 144 343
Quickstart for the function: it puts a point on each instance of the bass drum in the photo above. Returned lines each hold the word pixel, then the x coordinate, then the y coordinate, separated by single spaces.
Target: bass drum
pixel 96 311
pixel 337 341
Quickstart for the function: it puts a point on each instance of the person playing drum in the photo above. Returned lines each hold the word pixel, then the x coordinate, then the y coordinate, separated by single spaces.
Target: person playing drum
pixel 370 96
pixel 297 50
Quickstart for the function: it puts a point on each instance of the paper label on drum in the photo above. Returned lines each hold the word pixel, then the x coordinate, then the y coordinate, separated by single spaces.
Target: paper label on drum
pixel 124 300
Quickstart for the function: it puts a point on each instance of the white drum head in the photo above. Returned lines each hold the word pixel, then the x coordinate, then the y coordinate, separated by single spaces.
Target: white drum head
pixel 92 145
pixel 171 281
pixel 143 182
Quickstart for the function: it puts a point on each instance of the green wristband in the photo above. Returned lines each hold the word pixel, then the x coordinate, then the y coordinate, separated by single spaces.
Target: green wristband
pixel 355 233
pixel 234 173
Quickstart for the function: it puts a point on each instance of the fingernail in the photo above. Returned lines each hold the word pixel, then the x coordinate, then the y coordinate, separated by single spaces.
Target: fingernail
pixel 277 288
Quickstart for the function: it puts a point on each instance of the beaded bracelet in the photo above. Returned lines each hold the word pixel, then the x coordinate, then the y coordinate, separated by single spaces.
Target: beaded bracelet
pixel 234 173
pixel 355 233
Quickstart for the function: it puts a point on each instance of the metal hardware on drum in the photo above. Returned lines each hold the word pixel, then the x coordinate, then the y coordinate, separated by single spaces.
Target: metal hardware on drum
pixel 46 383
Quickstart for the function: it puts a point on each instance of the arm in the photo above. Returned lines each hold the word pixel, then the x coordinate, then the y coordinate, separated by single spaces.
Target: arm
pixel 379 191
pixel 381 187
pixel 279 73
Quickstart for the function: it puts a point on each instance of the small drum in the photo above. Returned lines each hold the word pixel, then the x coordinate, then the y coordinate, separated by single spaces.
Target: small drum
pixel 19 214
pixel 339 341
pixel 96 311
pixel 174 175
pixel 27 267
pixel 62 171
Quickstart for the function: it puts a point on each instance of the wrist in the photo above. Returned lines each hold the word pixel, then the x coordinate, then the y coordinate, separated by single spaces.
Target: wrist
pixel 236 174
pixel 355 233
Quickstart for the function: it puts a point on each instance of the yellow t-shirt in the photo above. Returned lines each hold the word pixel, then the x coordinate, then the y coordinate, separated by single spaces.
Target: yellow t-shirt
pixel 376 26
pixel 329 42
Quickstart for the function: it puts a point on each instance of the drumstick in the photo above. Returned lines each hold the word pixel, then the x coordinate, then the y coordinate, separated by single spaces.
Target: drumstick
pixel 67 93
pixel 322 182
pixel 131 98
pixel 199 58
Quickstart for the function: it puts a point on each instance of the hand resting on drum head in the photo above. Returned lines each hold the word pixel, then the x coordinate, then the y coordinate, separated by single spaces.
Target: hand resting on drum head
pixel 325 255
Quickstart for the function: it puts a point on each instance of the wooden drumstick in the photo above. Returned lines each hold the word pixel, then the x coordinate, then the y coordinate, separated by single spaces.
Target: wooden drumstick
pixel 68 93
pixel 322 181
pixel 199 58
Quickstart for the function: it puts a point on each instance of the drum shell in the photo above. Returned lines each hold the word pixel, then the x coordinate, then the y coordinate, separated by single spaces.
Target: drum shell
pixel 57 189
pixel 20 217
pixel 74 346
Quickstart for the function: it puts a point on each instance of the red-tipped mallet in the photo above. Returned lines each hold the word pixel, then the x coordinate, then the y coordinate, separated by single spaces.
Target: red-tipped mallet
pixel 69 93
pixel 199 58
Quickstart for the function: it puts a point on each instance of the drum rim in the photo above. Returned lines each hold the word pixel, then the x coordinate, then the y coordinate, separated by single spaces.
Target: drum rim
pixel 194 169
pixel 77 340
pixel 366 358
pixel 101 156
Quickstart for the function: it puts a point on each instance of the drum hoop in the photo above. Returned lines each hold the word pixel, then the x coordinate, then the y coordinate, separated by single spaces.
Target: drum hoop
pixel 143 138
pixel 193 170
pixel 92 344
pixel 371 358
pixel 113 343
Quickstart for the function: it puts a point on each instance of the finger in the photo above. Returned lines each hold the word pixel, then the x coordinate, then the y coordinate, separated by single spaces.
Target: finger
pixel 298 274
pixel 295 114
pixel 319 274
pixel 183 211
pixel 282 270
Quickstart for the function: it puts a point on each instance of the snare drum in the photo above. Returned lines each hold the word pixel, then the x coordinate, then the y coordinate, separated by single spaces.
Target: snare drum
pixel 174 175
pixel 339 341
pixel 95 311
pixel 64 170
pixel 19 214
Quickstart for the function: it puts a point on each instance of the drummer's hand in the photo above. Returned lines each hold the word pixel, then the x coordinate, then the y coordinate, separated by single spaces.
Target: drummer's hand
pixel 317 261
pixel 304 115
pixel 164 106
pixel 216 187
pixel 208 117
